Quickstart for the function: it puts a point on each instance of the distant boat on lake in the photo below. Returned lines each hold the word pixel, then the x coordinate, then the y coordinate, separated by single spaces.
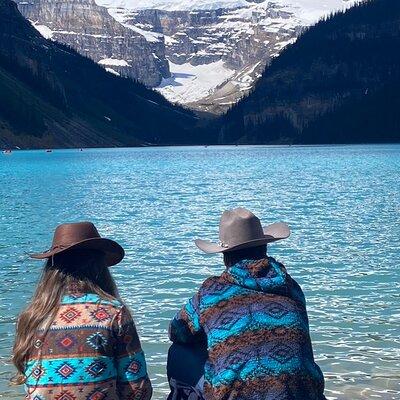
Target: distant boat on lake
pixel 49 150
pixel 7 151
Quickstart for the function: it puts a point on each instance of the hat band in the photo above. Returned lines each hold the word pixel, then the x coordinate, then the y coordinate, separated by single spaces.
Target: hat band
pixel 226 245
pixel 58 246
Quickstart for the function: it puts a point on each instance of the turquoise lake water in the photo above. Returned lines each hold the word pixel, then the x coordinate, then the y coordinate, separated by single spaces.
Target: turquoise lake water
pixel 342 203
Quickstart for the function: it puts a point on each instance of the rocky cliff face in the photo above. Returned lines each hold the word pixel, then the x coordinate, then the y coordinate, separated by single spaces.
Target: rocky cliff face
pixel 202 37
pixel 235 44
pixel 89 29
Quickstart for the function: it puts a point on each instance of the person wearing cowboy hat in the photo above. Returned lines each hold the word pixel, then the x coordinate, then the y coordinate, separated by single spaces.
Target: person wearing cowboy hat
pixel 252 319
pixel 76 339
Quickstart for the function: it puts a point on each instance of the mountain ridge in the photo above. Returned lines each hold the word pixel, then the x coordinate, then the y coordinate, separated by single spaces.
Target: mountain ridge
pixel 51 96
pixel 339 83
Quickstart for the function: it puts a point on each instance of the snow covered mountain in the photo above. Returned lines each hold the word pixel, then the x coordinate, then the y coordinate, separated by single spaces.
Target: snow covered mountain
pixel 205 54
pixel 217 49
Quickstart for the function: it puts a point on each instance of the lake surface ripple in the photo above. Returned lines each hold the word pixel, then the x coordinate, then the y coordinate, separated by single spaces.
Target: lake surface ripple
pixel 342 203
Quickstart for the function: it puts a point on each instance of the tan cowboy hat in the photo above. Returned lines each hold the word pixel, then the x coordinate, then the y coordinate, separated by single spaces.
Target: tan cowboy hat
pixel 241 229
pixel 82 235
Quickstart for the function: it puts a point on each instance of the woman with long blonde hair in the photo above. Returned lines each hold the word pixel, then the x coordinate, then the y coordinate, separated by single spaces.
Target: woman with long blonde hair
pixel 76 339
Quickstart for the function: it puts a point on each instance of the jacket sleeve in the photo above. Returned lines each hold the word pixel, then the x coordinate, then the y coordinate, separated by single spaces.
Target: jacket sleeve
pixel 132 379
pixel 186 326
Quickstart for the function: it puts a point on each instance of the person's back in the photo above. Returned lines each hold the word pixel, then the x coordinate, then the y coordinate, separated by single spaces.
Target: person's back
pixel 254 320
pixel 76 339
pixel 77 357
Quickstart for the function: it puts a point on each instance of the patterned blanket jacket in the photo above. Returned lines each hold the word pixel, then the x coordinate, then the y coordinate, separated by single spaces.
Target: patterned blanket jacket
pixel 91 352
pixel 255 322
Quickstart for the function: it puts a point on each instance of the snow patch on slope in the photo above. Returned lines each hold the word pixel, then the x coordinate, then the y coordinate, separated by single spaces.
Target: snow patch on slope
pixel 310 11
pixel 189 83
pixel 44 30
pixel 112 71
pixel 120 15
pixel 113 62
pixel 152 37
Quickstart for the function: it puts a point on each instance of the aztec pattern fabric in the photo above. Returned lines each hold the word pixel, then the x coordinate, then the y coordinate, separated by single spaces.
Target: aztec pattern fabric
pixel 255 322
pixel 91 352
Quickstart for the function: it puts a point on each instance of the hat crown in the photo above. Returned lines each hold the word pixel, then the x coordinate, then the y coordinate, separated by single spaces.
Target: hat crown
pixel 69 234
pixel 239 226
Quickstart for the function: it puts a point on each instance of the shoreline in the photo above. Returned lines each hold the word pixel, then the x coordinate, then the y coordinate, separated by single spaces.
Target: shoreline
pixel 216 146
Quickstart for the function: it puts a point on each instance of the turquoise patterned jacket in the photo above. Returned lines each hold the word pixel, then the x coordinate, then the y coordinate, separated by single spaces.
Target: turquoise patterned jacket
pixel 254 320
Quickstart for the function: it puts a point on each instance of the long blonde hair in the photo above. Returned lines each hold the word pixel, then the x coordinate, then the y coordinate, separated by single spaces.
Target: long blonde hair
pixel 82 271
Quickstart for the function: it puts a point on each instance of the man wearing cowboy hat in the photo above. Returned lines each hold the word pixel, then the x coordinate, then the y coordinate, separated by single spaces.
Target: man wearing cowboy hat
pixel 252 318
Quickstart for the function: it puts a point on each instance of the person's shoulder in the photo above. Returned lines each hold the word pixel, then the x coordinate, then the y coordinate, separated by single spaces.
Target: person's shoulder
pixel 211 283
pixel 92 298
pixel 88 310
pixel 295 289
pixel 273 260
pixel 211 280
pixel 283 269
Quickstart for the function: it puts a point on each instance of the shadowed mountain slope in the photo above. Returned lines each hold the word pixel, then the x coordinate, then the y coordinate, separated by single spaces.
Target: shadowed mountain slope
pixel 339 83
pixel 50 96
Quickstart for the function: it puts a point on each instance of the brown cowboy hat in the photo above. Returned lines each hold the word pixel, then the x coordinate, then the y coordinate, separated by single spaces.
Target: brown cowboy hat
pixel 82 235
pixel 241 229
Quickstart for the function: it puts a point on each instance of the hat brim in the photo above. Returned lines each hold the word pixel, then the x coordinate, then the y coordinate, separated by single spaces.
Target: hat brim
pixel 272 233
pixel 113 252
